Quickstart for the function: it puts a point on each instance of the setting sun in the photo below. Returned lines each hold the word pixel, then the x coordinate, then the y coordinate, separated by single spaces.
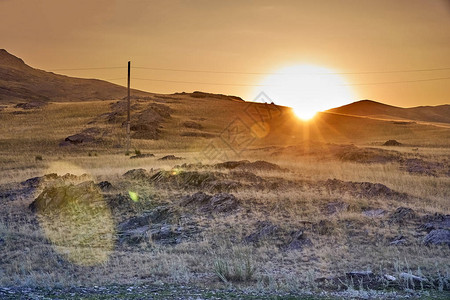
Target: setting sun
pixel 308 89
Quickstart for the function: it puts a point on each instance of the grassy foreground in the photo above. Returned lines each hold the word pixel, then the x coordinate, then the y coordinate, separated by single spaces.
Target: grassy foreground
pixel 299 222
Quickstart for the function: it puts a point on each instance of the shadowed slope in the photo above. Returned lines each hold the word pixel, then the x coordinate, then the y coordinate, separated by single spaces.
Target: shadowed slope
pixel 20 82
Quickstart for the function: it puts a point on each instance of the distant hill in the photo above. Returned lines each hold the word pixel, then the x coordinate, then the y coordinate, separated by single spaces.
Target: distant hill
pixel 20 82
pixel 369 108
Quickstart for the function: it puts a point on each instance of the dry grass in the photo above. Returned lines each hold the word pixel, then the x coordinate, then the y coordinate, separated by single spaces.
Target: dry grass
pixel 340 242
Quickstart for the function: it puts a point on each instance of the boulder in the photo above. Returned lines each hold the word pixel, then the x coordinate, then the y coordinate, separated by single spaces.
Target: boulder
pixel 392 143
pixel 438 237
pixel 58 197
pixel 437 221
pixel 298 241
pixel 223 202
pixel 401 215
pixel 218 203
pixel 137 174
pixel 142 156
pixel 192 125
pixel 31 105
pixel 336 207
pixel 361 189
pixel 170 157
pixel 105 185
pixel 265 229
pixel 374 213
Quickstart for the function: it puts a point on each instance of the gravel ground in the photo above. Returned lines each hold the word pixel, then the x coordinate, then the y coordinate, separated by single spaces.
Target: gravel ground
pixel 183 292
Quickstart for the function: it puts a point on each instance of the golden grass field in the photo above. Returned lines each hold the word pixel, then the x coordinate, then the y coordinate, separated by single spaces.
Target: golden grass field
pixel 81 246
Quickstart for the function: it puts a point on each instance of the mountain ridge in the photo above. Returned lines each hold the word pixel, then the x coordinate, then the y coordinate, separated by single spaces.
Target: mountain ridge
pixel 21 82
pixel 371 108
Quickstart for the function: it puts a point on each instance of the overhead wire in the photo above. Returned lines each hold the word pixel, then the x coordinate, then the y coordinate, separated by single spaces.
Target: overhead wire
pixel 261 73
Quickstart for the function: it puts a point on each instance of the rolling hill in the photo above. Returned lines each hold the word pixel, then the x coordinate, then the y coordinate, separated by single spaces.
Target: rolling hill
pixel 368 108
pixel 20 82
pixel 227 121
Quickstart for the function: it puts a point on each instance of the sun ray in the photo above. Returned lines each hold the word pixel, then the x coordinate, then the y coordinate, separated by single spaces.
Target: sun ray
pixel 308 89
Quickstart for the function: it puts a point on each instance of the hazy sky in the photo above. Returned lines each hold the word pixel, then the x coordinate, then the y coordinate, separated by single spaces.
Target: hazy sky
pixel 238 36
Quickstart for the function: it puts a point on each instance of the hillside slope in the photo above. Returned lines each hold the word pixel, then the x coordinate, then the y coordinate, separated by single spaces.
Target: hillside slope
pixel 440 113
pixel 20 82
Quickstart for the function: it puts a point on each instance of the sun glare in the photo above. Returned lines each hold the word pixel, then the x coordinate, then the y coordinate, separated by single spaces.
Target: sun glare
pixel 308 89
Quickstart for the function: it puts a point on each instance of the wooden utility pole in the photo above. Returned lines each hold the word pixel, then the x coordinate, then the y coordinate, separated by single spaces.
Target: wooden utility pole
pixel 128 112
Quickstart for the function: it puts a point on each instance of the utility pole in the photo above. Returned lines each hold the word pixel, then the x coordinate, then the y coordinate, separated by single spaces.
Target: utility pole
pixel 128 112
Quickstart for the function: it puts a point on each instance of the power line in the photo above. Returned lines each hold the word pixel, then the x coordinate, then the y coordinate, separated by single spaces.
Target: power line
pixel 403 81
pixel 312 73
pixel 196 82
pixel 240 84
pixel 256 73
pixel 85 69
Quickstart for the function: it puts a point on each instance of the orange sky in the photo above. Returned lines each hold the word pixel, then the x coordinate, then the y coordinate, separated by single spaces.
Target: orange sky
pixel 243 36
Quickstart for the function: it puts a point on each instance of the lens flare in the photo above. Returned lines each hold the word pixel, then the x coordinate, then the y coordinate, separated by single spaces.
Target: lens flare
pixel 134 196
pixel 74 216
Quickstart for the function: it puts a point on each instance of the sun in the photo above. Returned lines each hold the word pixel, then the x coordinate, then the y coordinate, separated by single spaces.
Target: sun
pixel 308 89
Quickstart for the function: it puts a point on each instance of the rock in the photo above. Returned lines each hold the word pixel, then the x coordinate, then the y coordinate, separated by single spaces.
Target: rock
pixel 57 197
pixel 89 135
pixel 37 181
pixel 223 202
pixel 265 229
pixel 218 203
pixel 260 165
pixel 324 227
pixel 184 179
pixel 104 185
pixel 231 164
pixel 197 134
pixel 31 105
pixel 170 157
pixel 147 122
pixel 79 138
pixel 336 207
pixel 401 215
pixel 421 167
pixel 362 189
pixel 137 174
pixel 142 156
pixel 437 221
pixel 162 214
pixel 392 143
pixel 224 185
pixel 192 125
pixel 437 237
pixel 134 235
pixel 398 240
pixel 157 225
pixel 389 277
pixel 199 199
pixel 363 155
pixel 413 278
pixel 298 241
pixel 165 234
